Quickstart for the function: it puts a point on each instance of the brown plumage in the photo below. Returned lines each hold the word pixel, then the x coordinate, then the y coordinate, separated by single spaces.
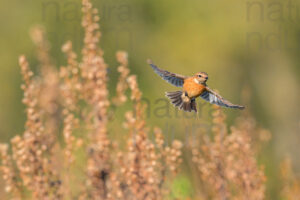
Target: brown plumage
pixel 192 87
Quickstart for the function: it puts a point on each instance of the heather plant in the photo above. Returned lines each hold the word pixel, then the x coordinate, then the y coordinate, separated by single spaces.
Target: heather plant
pixel 226 162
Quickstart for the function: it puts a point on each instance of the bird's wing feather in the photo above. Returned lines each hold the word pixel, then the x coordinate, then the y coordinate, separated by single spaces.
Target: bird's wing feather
pixel 214 98
pixel 175 79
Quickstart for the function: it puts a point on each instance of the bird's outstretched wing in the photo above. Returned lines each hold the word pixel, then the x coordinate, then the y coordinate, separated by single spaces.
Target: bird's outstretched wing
pixel 175 79
pixel 214 98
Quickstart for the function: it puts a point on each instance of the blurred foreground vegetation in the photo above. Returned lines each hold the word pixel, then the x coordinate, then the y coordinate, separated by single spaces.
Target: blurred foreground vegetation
pixel 249 49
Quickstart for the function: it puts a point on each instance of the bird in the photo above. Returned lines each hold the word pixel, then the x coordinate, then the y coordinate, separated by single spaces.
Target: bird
pixel 192 87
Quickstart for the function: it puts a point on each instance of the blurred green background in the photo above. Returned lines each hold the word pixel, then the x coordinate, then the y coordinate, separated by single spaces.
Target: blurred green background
pixel 240 44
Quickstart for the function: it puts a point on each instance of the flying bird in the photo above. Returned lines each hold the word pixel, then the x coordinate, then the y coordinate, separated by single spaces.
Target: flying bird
pixel 192 87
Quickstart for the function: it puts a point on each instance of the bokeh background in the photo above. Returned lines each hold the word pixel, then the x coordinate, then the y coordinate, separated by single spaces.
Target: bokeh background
pixel 242 45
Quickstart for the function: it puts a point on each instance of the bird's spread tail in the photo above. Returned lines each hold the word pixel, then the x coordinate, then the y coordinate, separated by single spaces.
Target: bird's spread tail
pixel 179 99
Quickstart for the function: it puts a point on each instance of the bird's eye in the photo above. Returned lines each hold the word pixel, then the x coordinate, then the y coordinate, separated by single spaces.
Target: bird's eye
pixel 199 76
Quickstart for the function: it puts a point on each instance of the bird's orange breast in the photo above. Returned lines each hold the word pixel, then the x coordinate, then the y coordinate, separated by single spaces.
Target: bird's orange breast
pixel 192 88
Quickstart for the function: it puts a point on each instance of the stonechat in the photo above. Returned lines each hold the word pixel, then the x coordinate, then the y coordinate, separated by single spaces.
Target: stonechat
pixel 192 87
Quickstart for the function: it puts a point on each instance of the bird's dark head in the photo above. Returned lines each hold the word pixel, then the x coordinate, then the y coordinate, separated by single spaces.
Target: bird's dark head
pixel 201 77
